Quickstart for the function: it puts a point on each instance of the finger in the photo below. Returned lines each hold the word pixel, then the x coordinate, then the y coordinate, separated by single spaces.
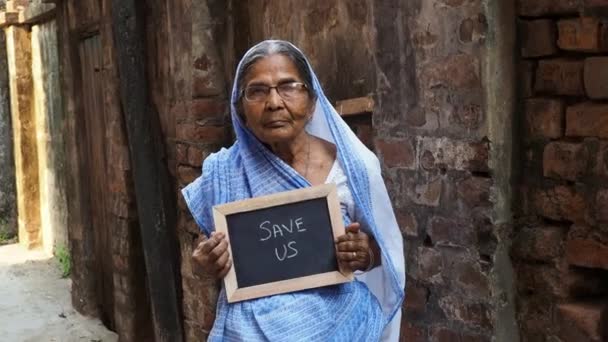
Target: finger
pixel 347 246
pixel 353 228
pixel 342 238
pixel 212 242
pixel 355 265
pixel 225 270
pixel 220 249
pixel 222 260
pixel 348 256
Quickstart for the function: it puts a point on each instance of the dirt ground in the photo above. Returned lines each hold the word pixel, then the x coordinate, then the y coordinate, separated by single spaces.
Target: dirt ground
pixel 35 302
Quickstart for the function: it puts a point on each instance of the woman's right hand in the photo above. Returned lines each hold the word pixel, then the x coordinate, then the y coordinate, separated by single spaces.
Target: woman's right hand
pixel 212 255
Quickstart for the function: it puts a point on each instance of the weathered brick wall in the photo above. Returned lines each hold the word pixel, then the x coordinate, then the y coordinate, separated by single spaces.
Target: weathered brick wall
pixel 431 131
pixel 561 245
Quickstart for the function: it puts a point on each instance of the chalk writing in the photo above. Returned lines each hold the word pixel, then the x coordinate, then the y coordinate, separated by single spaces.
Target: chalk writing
pixel 273 230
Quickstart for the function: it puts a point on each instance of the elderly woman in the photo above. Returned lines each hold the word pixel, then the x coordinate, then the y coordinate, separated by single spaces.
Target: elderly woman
pixel 289 137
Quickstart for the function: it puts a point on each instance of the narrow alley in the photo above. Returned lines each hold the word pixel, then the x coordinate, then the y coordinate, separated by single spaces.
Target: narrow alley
pixel 35 301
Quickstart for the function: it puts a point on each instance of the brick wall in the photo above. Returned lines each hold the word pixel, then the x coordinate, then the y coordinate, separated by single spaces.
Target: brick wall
pixel 431 133
pixel 561 245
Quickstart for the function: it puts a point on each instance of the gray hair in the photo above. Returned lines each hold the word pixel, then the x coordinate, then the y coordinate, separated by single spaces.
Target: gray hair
pixel 272 47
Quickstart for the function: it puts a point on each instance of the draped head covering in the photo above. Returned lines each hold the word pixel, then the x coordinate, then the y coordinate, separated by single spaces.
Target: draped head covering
pixel 249 169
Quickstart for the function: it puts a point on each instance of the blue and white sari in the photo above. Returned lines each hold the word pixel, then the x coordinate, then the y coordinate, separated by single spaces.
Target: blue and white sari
pixel 367 309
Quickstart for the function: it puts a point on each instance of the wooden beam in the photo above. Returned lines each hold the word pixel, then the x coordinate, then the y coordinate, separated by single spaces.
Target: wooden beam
pixel 154 195
pixel 355 106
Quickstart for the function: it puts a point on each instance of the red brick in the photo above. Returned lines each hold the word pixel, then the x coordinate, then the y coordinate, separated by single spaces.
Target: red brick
pixel 560 203
pixel 535 316
pixel 441 334
pixel 601 167
pixel 201 134
pixel 210 110
pixel 397 153
pixel 601 205
pixel 559 77
pixel 416 299
pixel 475 191
pixel 538 8
pixel 544 118
pixel 537 38
pixel 471 280
pixel 181 153
pixel 586 282
pixel 583 321
pixel 412 333
pixel 580 34
pixel 539 243
pixel 565 160
pixel 429 265
pixel 444 153
pixel 187 174
pixel 407 223
pixel 427 194
pixel 450 232
pixel 454 72
pixel 470 315
pixel 196 156
pixel 587 253
pixel 596 77
pixel 541 279
pixel 587 120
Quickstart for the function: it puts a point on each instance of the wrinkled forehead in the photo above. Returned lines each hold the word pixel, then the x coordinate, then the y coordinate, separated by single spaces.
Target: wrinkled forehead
pixel 271 70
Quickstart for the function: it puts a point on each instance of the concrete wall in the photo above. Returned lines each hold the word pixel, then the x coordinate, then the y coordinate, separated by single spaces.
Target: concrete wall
pixel 8 199
pixel 50 132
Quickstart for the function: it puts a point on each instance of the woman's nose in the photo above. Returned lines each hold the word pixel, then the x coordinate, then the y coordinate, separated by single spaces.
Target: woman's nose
pixel 274 100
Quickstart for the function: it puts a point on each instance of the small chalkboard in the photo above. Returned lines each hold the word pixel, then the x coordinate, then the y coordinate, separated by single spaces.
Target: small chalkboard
pixel 282 242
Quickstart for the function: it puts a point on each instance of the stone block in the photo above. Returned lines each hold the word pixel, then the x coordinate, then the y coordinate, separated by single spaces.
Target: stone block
pixel 538 38
pixel 474 316
pixel 559 77
pixel 562 160
pixel 596 77
pixel 580 34
pixel 543 118
pixel 587 120
pixel 427 193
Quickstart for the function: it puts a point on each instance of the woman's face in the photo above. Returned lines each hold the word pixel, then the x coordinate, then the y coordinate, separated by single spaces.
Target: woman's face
pixel 275 119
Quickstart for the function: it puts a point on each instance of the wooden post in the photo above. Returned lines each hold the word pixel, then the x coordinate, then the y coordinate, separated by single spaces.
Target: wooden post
pixel 154 196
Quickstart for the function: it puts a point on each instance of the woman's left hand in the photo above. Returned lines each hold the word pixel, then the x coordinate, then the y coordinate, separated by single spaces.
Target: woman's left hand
pixel 354 248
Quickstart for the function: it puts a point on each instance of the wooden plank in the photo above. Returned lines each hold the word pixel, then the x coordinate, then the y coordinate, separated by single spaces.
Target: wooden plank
pixel 355 106
pixel 154 194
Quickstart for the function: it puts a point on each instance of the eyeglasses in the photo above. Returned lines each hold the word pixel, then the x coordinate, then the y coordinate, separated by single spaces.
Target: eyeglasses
pixel 287 91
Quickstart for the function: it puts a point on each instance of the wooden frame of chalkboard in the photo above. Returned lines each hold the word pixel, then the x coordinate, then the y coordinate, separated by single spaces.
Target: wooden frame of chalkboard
pixel 327 194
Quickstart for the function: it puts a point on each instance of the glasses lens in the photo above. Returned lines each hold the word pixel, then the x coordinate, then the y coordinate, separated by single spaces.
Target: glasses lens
pixel 291 90
pixel 256 93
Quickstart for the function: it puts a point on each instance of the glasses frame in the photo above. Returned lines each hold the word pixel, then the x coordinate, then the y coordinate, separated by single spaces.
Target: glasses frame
pixel 276 87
